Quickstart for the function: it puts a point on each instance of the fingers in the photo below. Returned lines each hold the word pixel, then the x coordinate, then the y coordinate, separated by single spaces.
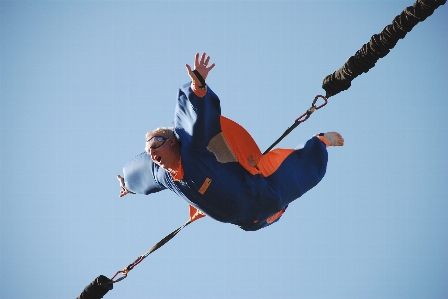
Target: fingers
pixel 210 67
pixel 190 73
pixel 203 62
pixel 188 69
pixel 196 60
pixel 204 59
pixel 121 180
pixel 123 190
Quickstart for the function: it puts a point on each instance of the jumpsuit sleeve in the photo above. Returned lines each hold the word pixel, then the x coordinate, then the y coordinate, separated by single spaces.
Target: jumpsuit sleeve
pixel 143 176
pixel 196 119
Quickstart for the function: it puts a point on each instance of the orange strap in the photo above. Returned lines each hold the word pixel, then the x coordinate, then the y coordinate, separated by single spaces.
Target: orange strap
pixel 195 214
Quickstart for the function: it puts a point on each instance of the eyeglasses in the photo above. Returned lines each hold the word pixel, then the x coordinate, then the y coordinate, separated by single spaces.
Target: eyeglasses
pixel 156 141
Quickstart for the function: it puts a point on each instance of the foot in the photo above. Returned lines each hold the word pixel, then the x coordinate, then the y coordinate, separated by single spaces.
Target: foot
pixel 333 138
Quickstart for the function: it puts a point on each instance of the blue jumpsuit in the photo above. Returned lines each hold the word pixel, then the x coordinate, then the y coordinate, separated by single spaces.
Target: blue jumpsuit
pixel 216 180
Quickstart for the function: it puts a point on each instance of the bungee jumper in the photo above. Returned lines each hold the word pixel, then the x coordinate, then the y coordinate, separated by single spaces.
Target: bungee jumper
pixel 240 162
pixel 215 165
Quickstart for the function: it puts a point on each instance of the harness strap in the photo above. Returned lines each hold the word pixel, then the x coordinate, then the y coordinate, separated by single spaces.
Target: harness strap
pixel 195 214
pixel 300 120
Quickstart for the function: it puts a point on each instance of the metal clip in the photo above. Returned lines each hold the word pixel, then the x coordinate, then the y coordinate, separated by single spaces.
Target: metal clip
pixel 313 108
pixel 315 100
pixel 121 278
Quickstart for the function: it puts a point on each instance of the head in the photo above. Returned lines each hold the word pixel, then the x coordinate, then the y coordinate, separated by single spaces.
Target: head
pixel 163 147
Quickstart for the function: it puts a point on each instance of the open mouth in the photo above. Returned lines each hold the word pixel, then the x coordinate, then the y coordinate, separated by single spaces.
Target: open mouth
pixel 156 159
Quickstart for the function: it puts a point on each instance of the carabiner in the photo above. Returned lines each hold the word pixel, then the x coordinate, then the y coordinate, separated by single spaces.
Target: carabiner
pixel 124 273
pixel 315 100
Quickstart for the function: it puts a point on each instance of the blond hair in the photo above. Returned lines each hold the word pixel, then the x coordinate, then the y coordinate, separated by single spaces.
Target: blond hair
pixel 167 132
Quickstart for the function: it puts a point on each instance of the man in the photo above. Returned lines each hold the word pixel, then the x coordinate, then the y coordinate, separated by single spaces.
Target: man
pixel 216 166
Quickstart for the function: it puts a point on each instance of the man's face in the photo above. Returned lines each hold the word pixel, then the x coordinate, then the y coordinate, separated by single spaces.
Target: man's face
pixel 163 151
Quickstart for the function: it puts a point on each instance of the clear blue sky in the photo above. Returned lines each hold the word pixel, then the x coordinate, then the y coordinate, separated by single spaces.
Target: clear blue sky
pixel 81 83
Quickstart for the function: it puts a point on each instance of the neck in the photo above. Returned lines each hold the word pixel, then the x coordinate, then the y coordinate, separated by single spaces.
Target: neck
pixel 178 173
pixel 175 168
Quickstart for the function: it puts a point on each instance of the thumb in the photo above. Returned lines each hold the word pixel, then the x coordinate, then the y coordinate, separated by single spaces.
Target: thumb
pixel 188 68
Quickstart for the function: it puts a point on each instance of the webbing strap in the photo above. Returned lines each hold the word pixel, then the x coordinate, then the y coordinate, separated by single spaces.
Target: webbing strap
pixel 159 244
pixel 200 78
pixel 300 120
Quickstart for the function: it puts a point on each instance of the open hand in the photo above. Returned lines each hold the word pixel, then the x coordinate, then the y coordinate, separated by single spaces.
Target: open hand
pixel 201 66
pixel 123 190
